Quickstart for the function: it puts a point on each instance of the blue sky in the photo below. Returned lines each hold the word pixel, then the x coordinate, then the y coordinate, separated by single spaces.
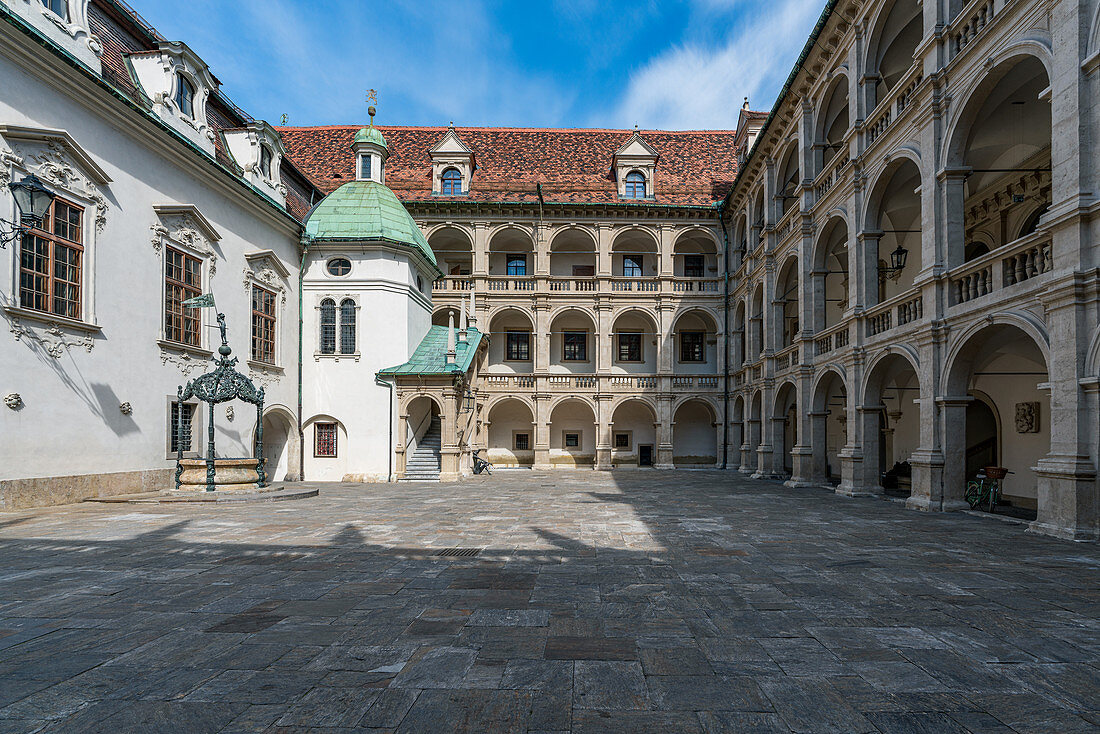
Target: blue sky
pixel 560 63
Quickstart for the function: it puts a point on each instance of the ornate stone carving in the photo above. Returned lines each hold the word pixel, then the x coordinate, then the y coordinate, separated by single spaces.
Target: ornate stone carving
pixel 125 408
pixel 184 361
pixel 54 338
pixel 52 163
pixel 264 377
pixel 13 400
pixel 183 230
pixel 1027 417
pixel 229 414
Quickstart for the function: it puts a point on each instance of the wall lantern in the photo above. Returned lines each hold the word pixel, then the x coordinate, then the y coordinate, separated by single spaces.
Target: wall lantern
pixel 469 402
pixel 897 264
pixel 32 202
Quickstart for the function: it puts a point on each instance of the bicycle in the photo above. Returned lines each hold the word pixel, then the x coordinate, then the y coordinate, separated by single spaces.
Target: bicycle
pixel 985 488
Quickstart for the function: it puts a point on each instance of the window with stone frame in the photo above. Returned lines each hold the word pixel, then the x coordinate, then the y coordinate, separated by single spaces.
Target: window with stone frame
pixel 364 167
pixel 693 346
pixel 522 441
pixel 265 161
pixel 517 347
pixel 324 440
pixel 632 266
pixel 634 187
pixel 693 266
pixel 263 325
pixel 571 440
pixel 327 335
pixel 574 346
pixel 182 280
pixel 629 346
pixel 51 262
pixel 622 440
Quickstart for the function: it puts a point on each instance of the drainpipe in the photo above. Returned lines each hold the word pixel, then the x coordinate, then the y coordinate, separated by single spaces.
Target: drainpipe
pixel 301 433
pixel 726 331
pixel 389 451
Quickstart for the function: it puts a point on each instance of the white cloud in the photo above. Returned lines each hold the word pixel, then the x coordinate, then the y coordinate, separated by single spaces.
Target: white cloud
pixel 693 86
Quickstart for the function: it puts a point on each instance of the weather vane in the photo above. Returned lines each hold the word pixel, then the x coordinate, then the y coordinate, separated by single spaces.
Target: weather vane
pixel 372 96
pixel 285 118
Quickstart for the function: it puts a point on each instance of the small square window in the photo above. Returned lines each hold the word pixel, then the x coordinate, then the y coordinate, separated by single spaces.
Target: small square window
pixel 622 441
pixel 632 266
pixel 364 167
pixel 517 346
pixel 324 440
pixel 574 346
pixel 693 266
pixel 571 440
pixel 181 428
pixel 630 347
pixel 522 441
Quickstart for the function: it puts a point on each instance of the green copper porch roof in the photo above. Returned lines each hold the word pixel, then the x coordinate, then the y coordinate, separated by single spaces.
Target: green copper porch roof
pixel 430 357
pixel 371 135
pixel 366 210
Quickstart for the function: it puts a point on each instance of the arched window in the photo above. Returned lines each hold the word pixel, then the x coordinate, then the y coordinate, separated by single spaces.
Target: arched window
pixel 347 326
pixel 328 326
pixel 265 161
pixel 185 96
pixel 635 185
pixel 1032 222
pixel 451 184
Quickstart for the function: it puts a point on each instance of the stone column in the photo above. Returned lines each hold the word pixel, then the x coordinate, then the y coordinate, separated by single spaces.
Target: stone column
pixel 802 453
pixel 952 410
pixel 817 421
pixel 481 249
pixel 450 451
pixel 863 284
pixel 542 250
pixel 665 260
pixel 604 338
pixel 663 426
pixel 765 432
pixel 540 340
pixel 665 338
pixel 400 447
pixel 542 431
pixel 604 234
pixel 603 432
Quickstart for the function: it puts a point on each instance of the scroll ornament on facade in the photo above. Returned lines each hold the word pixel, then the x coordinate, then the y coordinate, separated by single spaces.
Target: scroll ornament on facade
pixel 1027 417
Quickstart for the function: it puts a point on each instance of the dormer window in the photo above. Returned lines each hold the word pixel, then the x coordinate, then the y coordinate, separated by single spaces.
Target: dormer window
pixel 635 186
pixel 265 161
pixel 185 96
pixel 451 182
pixel 60 8
pixel 364 167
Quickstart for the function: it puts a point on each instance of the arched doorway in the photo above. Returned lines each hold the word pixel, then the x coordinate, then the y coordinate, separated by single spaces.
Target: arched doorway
pixel 890 426
pixel 282 449
pixel 1000 411
pixel 511 434
pixel 423 439
pixel 785 428
pixel 695 435
pixel 829 428
pixel 633 434
pixel 572 434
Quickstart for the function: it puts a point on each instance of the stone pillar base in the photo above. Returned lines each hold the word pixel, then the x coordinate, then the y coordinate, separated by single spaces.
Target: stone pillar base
pixel 850 491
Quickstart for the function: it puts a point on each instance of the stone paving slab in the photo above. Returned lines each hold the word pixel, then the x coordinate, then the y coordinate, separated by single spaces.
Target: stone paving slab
pixel 638 601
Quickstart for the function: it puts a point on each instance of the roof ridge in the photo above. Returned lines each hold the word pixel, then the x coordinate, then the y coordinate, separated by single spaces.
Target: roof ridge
pixel 510 129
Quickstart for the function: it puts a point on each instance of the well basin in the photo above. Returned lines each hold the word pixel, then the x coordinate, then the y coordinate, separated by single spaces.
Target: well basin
pixel 229 475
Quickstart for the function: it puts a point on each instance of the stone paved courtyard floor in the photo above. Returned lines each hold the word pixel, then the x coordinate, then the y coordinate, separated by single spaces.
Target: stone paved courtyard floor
pixel 602 602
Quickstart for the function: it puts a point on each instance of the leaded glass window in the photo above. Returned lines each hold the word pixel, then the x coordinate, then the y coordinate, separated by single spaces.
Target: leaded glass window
pixel 328 326
pixel 575 346
pixel 347 326
pixel 324 439
pixel 517 346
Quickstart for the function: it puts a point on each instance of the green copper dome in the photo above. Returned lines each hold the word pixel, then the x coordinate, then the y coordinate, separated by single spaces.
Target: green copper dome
pixel 371 135
pixel 366 210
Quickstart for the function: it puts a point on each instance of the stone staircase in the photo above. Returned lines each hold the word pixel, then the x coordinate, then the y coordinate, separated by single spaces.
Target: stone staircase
pixel 424 463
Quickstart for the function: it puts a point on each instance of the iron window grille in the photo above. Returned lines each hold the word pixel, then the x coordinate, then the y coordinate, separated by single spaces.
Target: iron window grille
pixel 693 266
pixel 523 441
pixel 180 431
pixel 324 440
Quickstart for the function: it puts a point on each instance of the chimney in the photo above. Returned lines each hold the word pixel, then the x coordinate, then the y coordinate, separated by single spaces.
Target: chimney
pixel 451 354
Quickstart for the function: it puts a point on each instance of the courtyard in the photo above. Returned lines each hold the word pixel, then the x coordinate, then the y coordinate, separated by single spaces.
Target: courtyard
pixel 631 601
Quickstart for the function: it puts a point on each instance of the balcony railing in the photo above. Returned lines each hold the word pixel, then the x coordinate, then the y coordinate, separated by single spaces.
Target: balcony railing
pixel 453 283
pixel 1016 262
pixel 835 337
pixel 973 19
pixel 831 173
pixel 786 357
pixel 902 309
pixel 613 383
pixel 897 102
pixel 568 285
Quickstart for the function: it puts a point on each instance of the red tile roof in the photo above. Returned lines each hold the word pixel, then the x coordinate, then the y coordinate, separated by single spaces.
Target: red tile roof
pixel 573 165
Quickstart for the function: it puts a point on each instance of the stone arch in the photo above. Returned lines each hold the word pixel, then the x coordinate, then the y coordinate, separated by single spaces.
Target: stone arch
pixel 789 177
pixel 574 250
pixel 889 417
pixel 901 25
pixel 572 415
pixel 622 399
pixel 510 240
pixel 828 424
pixel 505 445
pixel 403 406
pixel 1006 357
pixel 786 298
pixel 555 402
pixel 783 419
pixel 282 443
pixel 823 373
pixel 453 245
pixel 893 218
pixel 633 422
pixel 559 230
pixel 695 434
pixel 576 354
pixel 832 120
